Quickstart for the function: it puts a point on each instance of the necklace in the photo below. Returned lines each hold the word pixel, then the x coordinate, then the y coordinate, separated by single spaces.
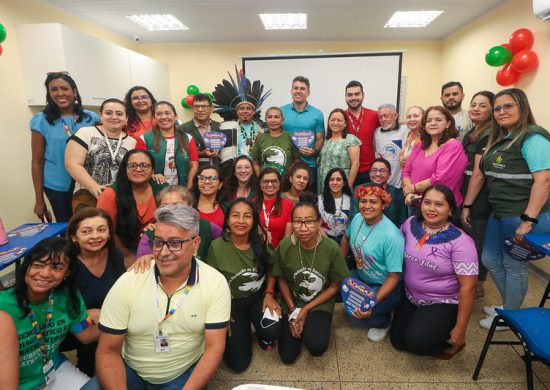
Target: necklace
pixel 319 238
pixel 248 137
pixel 428 234
pixel 66 127
pixel 358 249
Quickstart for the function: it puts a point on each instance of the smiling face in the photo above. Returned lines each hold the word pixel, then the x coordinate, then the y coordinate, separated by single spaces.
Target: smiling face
pixel 274 119
pixel 299 92
pixel 210 183
pixel 354 97
pixel 165 117
pixel 245 112
pixel 336 183
pixel 337 123
pixel 142 172
pixel 174 263
pixel 202 110
pixel 379 173
pixel 435 209
pixel 414 118
pixel 92 234
pixel 240 220
pixel 270 184
pixel 113 116
pixel 62 94
pixel 299 180
pixel 371 207
pixel 45 274
pixel 305 224
pixel 452 97
pixel 509 113
pixel 243 171
pixel 387 118
pixel 141 101
pixel 436 123
pixel 480 110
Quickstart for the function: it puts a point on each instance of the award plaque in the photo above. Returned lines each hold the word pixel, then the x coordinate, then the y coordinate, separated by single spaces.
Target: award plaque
pixel 303 138
pixel 357 295
pixel 215 140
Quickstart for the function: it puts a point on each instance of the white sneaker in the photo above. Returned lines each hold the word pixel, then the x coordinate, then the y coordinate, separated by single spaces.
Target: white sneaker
pixel 488 321
pixel 490 310
pixel 377 334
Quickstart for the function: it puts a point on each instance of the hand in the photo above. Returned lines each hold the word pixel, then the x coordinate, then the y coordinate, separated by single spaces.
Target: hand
pixel 268 240
pixel 360 315
pixel 231 320
pixel 409 189
pixel 307 151
pixel 271 304
pixel 97 190
pixel 159 178
pixel 523 228
pixel 42 212
pixel 210 153
pixel 465 218
pixel 408 198
pixel 94 315
pixel 297 326
pixel 142 264
pixel 458 337
pixel 150 227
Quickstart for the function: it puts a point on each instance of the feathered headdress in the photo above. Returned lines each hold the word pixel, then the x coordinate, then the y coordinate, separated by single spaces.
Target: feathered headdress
pixel 229 94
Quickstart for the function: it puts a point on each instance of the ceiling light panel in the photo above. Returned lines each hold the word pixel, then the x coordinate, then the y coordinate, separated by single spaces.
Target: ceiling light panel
pixel 407 19
pixel 284 21
pixel 158 22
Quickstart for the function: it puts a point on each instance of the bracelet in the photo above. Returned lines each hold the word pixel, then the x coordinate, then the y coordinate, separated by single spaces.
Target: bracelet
pixel 414 187
pixel 270 292
pixel 466 206
pixel 524 217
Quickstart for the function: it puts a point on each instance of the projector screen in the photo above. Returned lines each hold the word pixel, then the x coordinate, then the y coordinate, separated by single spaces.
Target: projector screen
pixel 380 74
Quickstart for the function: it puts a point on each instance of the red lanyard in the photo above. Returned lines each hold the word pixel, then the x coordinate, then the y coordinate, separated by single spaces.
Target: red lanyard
pixel 359 121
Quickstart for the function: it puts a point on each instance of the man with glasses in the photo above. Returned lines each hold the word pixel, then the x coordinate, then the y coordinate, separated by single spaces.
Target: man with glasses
pixel 199 125
pixel 166 326
pixel 452 94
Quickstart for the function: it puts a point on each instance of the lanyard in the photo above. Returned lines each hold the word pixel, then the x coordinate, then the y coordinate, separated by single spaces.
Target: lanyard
pixel 359 248
pixel 359 121
pixel 40 337
pixel 67 131
pixel 249 138
pixel 115 152
pixel 267 215
pixel 160 317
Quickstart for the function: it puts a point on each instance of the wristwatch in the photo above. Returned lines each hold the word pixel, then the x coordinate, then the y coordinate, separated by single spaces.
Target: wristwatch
pixel 524 217
pixel 466 206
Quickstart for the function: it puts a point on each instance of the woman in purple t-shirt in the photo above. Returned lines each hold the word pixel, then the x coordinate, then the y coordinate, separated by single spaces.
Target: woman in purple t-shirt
pixel 440 273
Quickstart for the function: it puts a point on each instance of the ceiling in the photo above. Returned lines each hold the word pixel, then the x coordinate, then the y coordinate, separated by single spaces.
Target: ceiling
pixel 238 20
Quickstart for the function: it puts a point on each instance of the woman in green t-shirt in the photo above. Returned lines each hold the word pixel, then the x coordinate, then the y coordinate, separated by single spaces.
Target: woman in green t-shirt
pixel 241 256
pixel 45 296
pixel 309 268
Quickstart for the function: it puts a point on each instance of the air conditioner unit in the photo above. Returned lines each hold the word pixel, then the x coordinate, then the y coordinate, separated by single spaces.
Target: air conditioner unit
pixel 541 9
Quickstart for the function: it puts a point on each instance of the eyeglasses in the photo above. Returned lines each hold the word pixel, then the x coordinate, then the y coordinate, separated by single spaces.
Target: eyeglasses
pixel 381 171
pixel 199 107
pixel 207 179
pixel 142 166
pixel 143 98
pixel 507 107
pixel 172 245
pixel 269 182
pixel 296 224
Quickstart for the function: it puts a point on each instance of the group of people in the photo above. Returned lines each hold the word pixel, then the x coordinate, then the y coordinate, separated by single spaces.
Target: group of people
pixel 220 242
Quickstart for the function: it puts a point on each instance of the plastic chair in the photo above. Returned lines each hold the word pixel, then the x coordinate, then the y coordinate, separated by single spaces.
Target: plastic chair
pixel 531 327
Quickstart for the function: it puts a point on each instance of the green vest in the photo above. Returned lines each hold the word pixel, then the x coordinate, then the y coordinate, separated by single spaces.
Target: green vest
pixel 481 208
pixel 205 233
pixel 181 157
pixel 508 177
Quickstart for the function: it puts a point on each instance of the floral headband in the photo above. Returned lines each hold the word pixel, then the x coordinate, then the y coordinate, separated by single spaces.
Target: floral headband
pixel 362 191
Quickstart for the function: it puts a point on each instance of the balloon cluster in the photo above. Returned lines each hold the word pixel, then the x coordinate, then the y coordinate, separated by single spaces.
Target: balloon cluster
pixel 515 57
pixel 3 34
pixel 192 90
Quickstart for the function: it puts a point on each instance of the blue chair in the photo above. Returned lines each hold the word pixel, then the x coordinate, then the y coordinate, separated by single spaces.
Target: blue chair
pixel 531 326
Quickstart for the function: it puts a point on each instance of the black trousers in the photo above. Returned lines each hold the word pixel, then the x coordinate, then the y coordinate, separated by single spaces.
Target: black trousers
pixel 238 347
pixel 315 336
pixel 422 330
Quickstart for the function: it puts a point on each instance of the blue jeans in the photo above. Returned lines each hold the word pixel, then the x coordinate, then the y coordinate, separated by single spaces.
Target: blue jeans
pixel 510 276
pixel 382 311
pixel 61 203
pixel 135 382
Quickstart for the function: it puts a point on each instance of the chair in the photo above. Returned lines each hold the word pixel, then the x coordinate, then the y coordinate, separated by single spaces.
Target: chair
pixel 531 327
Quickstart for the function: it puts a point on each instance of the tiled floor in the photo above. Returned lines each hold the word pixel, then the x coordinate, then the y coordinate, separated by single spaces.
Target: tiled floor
pixel 352 362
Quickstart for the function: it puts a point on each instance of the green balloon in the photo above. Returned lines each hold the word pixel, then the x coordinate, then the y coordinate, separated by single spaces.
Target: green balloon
pixel 210 96
pixel 184 103
pixel 498 55
pixel 3 33
pixel 192 89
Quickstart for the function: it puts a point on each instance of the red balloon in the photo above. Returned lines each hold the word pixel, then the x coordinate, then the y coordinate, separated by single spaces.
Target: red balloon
pixel 524 61
pixel 521 39
pixel 1 50
pixel 507 45
pixel 189 100
pixel 507 76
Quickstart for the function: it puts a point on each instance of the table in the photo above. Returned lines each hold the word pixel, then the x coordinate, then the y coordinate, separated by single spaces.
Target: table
pixel 23 238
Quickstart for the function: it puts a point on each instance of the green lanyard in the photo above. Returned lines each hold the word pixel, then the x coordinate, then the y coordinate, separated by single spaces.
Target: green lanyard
pixel 40 337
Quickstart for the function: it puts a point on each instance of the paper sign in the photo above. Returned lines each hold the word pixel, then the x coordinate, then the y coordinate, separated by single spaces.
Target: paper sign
pixel 215 140
pixel 522 251
pixel 303 138
pixel 357 295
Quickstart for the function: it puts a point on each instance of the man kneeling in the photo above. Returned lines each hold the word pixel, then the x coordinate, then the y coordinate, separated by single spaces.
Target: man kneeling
pixel 168 323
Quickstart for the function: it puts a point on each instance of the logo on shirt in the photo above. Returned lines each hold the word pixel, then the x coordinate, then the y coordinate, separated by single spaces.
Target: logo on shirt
pixel 311 283
pixel 390 151
pixel 498 162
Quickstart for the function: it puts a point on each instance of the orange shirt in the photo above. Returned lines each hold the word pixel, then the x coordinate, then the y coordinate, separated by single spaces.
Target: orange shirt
pixel 146 211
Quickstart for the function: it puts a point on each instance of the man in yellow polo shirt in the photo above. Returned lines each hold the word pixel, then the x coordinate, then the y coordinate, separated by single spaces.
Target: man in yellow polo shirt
pixel 170 322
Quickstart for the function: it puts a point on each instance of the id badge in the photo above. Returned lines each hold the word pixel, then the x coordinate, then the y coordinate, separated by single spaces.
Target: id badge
pixel 162 343
pixel 49 372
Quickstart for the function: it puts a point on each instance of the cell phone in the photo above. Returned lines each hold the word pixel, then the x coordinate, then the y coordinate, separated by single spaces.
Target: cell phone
pixel 416 201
